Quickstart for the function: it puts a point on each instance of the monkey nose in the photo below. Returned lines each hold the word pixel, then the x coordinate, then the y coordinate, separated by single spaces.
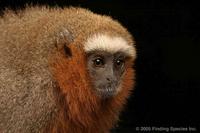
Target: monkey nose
pixel 108 79
pixel 111 80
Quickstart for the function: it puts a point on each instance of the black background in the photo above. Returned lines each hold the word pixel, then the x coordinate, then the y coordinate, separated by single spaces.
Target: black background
pixel 168 64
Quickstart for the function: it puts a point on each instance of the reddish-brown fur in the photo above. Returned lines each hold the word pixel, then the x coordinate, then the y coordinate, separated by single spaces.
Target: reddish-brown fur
pixel 80 109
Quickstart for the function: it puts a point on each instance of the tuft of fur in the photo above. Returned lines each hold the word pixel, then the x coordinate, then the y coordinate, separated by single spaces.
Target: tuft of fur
pixel 43 88
pixel 109 44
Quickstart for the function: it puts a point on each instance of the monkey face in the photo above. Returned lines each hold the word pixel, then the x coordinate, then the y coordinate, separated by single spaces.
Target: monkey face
pixel 107 60
pixel 106 70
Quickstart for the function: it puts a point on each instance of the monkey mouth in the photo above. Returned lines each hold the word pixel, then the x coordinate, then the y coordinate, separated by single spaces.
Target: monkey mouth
pixel 106 92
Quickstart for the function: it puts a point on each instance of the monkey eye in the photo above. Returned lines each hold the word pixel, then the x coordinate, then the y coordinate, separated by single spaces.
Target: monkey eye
pixel 98 62
pixel 119 62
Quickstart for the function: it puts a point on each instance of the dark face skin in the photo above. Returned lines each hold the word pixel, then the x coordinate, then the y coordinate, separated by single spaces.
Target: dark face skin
pixel 106 71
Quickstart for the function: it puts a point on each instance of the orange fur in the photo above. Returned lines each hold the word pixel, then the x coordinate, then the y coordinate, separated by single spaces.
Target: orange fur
pixel 80 109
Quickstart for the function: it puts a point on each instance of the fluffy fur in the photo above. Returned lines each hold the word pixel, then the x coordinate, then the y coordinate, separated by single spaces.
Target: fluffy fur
pixel 109 44
pixel 43 88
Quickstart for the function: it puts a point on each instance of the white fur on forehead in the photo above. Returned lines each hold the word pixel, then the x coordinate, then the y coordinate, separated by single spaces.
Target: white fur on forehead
pixel 110 44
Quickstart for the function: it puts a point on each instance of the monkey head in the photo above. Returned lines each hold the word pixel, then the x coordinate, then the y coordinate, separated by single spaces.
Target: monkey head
pixel 107 58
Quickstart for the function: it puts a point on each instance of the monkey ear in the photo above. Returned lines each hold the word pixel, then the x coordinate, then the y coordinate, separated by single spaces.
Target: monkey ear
pixel 63 39
pixel 67 51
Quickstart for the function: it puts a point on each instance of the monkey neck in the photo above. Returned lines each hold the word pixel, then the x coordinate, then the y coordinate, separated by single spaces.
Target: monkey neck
pixel 86 115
